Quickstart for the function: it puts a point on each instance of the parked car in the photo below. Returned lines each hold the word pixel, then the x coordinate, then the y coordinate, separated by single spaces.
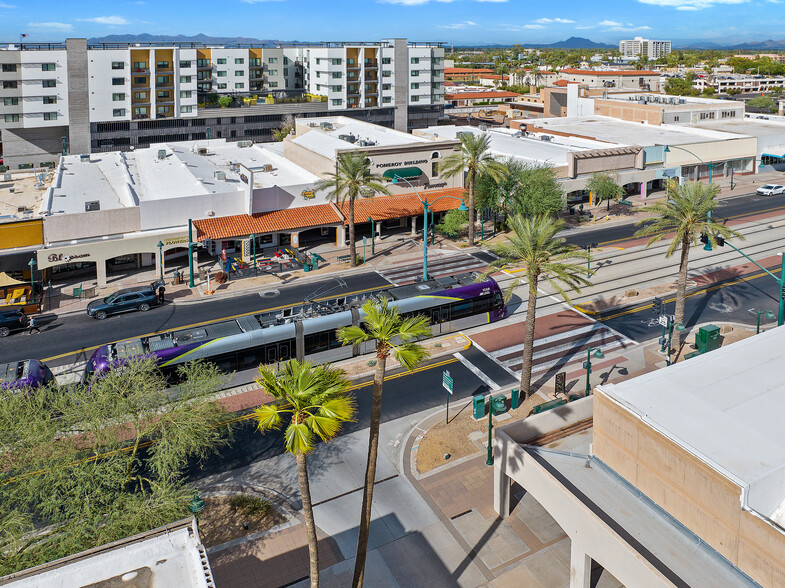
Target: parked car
pixel 770 190
pixel 12 320
pixel 142 298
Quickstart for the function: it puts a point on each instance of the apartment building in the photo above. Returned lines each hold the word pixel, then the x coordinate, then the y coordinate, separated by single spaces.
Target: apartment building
pixel 73 98
pixel 648 48
pixel 742 83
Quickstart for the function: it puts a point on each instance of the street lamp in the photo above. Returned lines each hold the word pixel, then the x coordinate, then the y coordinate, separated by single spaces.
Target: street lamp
pixel 587 364
pixel 491 414
pixel 373 236
pixel 191 246
pixel 253 247
pixel 588 247
pixel 709 165
pixel 161 259
pixel 31 263
pixel 768 313
pixel 426 207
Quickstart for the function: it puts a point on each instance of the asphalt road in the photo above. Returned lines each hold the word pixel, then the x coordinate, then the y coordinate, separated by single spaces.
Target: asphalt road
pixel 78 335
pixel 729 208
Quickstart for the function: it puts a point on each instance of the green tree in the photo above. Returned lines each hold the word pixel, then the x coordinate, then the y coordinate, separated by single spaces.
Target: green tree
pixel 72 465
pixel 534 244
pixel 476 159
pixel 762 102
pixel 684 218
pixel 224 101
pixel 396 335
pixel 604 187
pixel 453 223
pixel 681 86
pixel 315 402
pixel 524 188
pixel 353 179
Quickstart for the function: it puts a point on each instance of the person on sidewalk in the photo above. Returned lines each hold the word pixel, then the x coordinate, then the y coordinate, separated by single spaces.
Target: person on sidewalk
pixel 161 292
pixel 33 326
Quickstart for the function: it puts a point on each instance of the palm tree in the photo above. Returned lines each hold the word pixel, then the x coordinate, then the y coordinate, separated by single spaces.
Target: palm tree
pixel 475 158
pixel 686 215
pixel 533 242
pixel 316 398
pixel 394 335
pixel 351 180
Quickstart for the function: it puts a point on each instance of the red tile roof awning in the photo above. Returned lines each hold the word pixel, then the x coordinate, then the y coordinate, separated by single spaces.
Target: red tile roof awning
pixel 289 219
pixel 388 207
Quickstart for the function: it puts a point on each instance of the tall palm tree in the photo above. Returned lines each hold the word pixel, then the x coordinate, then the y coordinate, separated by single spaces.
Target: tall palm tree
pixel 394 335
pixel 475 158
pixel 533 242
pixel 315 398
pixel 686 215
pixel 352 179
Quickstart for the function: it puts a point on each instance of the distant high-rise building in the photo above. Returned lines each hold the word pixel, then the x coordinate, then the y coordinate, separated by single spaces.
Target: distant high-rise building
pixel 640 47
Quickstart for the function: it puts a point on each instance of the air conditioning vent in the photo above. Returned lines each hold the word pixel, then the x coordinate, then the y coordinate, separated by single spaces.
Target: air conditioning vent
pixel 220 175
pixel 327 126
pixel 202 151
pixel 267 167
pixel 162 154
pixel 92 205
pixel 244 143
pixel 84 158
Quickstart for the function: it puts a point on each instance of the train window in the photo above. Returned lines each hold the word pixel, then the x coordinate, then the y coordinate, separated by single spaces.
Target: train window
pixel 272 353
pixel 333 341
pixel 248 358
pixel 497 300
pixel 482 304
pixel 461 309
pixel 284 351
pixel 226 362
pixel 316 343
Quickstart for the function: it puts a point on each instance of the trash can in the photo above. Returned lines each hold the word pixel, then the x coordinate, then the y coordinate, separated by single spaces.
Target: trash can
pixel 315 262
pixel 515 398
pixel 478 404
pixel 499 404
pixel 707 338
pixel 306 266
pixel 177 277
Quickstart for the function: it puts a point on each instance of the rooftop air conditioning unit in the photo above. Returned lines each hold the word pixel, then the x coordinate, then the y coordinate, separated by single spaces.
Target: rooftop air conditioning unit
pixel 84 157
pixel 92 205
pixel 220 175
pixel 162 154
pixel 267 167
pixel 312 124
pixel 244 143
pixel 326 126
pixel 546 137
pixel 483 127
pixel 202 151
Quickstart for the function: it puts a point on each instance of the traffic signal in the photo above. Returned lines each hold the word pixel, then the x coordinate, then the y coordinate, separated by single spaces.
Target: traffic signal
pixel 657 306
pixel 704 238
pixel 719 240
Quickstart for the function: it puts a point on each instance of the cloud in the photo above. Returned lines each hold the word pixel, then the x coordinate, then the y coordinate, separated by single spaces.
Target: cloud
pixel 609 23
pixel 533 26
pixel 629 28
pixel 554 20
pixel 107 20
pixel 7 5
pixel 458 25
pixel 690 4
pixel 60 26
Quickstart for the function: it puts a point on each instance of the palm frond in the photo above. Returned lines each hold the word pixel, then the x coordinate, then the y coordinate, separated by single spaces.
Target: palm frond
pixel 298 438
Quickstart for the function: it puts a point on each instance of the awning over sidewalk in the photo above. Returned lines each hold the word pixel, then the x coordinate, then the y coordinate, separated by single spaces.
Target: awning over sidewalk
pixel 290 219
pixel 402 172
pixel 388 207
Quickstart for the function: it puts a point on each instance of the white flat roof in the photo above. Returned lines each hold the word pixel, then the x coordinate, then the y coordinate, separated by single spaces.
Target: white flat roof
pixel 754 127
pixel 511 143
pixel 606 128
pixel 724 407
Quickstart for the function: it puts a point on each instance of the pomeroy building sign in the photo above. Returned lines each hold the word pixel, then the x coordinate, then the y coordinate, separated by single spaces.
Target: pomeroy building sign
pixel 401 163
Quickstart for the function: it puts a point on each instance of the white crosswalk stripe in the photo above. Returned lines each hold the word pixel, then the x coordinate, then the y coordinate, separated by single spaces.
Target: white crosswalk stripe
pixel 437 266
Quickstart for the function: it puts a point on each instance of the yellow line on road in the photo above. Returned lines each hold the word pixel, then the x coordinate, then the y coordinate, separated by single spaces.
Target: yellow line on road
pixel 192 325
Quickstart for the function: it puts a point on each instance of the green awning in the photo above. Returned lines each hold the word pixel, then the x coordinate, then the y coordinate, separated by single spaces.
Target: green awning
pixel 402 172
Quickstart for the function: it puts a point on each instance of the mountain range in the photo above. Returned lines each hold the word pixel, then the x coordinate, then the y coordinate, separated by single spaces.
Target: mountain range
pixel 749 46
pixel 146 38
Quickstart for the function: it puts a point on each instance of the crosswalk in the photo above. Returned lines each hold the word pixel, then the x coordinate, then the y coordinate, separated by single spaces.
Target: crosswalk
pixel 442 265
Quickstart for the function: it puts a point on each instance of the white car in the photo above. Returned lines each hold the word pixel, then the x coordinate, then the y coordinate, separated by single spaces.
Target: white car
pixel 770 190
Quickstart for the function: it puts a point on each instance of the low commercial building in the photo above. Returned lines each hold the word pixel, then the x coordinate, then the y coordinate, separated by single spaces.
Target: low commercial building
pixel 465 74
pixel 479 98
pixel 672 478
pixel 769 132
pixel 637 80
pixel 656 109
pixel 738 83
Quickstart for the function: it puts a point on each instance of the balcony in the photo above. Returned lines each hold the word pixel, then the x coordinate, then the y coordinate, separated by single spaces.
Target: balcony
pixel 140 70
pixel 373 63
pixel 144 86
pixel 203 66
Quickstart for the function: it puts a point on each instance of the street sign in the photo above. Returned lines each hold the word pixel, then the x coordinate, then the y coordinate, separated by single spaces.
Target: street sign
pixel 561 383
pixel 667 172
pixel 365 240
pixel 663 320
pixel 447 381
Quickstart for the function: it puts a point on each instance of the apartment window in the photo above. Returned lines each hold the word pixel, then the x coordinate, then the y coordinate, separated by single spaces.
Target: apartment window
pixel 386 86
pixel 51 66
pixel 386 99
pixel 437 85
pixel 118 112
pixel 185 65
pixel 185 79
pixel 286 71
pixel 115 65
pixel 222 86
pixel 386 61
pixel 202 63
pixel 336 75
pixel 162 80
pixel 140 65
pixel 239 73
pixel 273 72
pixel 140 81
pixel 11 118
pixel 275 60
pixel 285 60
pixel 50 99
pixel 255 61
pixel 336 88
pixel 221 61
pixel 318 74
pixel 415 98
pixel 318 61
pixel 334 102
pixel 222 74
pixel 186 109
pixel 162 109
pixel 239 85
pixel 273 84
pixel 8 85
pixel 50 116
pixel 118 97
pixel 53 83
pixel 336 61
pixel 162 94
pixel 675 119
pixel 415 60
pixel 9 67
pixel 162 64
pixel 318 87
pixel 436 60
pixel 415 73
pixel 386 74
pixel 369 88
pixel 185 93
pixel 140 110
pixel 415 86
pixel 239 60
pixel 10 101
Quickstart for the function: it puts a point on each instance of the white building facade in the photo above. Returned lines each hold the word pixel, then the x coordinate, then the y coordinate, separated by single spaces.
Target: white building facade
pixel 640 47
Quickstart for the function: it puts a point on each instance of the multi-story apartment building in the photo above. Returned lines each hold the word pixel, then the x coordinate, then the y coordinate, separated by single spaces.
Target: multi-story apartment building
pixel 739 82
pixel 74 98
pixel 648 48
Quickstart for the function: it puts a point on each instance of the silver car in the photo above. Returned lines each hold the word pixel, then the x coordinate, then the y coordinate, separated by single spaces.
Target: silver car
pixel 770 190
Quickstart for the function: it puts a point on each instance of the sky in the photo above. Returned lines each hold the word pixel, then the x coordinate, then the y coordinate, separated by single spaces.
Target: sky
pixel 458 21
